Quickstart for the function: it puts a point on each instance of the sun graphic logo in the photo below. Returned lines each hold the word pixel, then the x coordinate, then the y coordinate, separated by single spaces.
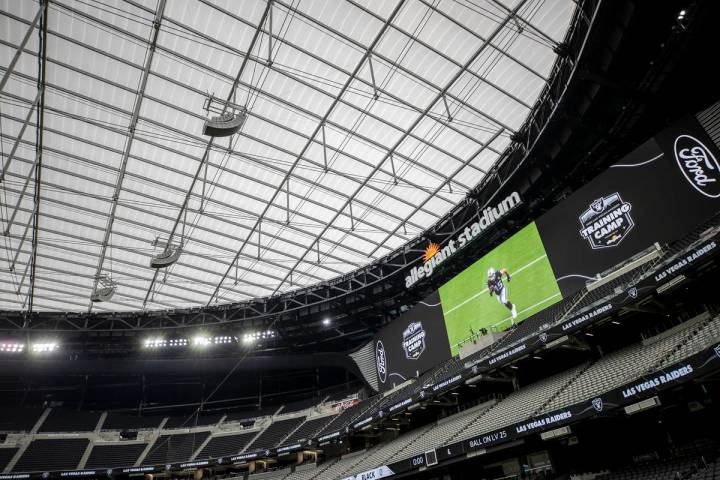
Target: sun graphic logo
pixel 431 250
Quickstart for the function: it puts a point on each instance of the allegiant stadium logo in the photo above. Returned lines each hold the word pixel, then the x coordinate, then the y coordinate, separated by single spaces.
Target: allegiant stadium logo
pixel 431 250
pixel 434 255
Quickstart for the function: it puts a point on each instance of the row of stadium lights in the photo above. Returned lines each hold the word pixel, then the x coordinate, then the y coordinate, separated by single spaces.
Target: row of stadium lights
pixel 203 341
pixel 38 347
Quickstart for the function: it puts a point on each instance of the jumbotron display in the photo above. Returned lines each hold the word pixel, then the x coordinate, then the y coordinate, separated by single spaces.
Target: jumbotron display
pixel 504 287
pixel 655 194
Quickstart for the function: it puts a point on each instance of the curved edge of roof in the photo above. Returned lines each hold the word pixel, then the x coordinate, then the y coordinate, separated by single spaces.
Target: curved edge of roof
pixel 563 70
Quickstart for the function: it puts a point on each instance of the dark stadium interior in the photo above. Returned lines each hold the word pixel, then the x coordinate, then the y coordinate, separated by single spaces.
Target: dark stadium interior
pixel 302 402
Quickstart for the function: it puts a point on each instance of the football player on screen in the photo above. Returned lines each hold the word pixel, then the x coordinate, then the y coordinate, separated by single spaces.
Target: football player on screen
pixel 496 286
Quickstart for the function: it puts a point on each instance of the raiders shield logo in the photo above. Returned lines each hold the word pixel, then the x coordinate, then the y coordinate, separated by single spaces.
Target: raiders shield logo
pixel 108 472
pixel 413 341
pixel 717 351
pixel 474 369
pixel 422 393
pixel 606 222
pixel 381 414
pixel 543 337
pixel 597 404
pixel 633 292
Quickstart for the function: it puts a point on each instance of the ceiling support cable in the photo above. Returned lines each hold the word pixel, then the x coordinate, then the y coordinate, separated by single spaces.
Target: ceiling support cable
pixel 22 242
pixel 324 148
pixel 517 17
pixel 373 142
pixel 22 281
pixel 299 156
pixel 22 193
pixel 287 202
pixel 447 108
pixel 270 33
pixel 204 158
pixel 372 76
pixel 128 144
pixel 19 137
pixel 352 218
pixel 419 207
pixel 40 113
pixel 38 16
pixel 201 210
pixel 392 166
pixel 472 32
pixel 417 121
pixel 360 45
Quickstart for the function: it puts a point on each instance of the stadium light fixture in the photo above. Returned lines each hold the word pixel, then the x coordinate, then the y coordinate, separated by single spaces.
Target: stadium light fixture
pixel 326 321
pixel 12 347
pixel 44 347
pixel 160 342
pixel 223 339
pixel 252 337
pixel 155 343
pixel 201 341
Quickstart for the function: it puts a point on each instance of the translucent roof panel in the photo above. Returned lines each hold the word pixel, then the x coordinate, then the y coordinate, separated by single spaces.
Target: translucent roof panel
pixel 365 123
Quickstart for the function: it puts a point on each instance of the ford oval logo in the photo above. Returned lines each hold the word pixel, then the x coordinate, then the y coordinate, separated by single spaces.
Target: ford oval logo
pixel 381 361
pixel 699 165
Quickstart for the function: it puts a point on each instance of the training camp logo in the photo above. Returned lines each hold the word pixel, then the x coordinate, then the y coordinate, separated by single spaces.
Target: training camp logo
pixel 413 341
pixel 606 222
pixel 381 361
pixel 597 404
pixel 698 165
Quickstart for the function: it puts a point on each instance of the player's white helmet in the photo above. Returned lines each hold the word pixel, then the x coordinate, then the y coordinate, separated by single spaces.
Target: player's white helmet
pixel 491 272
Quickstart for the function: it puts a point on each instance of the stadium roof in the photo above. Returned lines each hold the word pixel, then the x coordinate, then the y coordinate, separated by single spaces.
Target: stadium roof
pixel 366 122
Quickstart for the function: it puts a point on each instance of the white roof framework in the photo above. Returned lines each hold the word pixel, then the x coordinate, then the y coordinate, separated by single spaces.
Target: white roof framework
pixel 367 122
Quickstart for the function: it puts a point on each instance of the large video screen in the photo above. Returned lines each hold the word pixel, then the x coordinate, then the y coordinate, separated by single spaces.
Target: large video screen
pixel 654 195
pixel 412 343
pixel 504 287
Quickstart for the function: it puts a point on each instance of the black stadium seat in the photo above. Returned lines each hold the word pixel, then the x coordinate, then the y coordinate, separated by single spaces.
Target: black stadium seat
pixel 110 456
pixel 60 454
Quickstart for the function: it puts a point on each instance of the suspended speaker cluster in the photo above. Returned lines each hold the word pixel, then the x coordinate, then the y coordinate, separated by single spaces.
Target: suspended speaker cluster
pixel 104 290
pixel 167 257
pixel 224 125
